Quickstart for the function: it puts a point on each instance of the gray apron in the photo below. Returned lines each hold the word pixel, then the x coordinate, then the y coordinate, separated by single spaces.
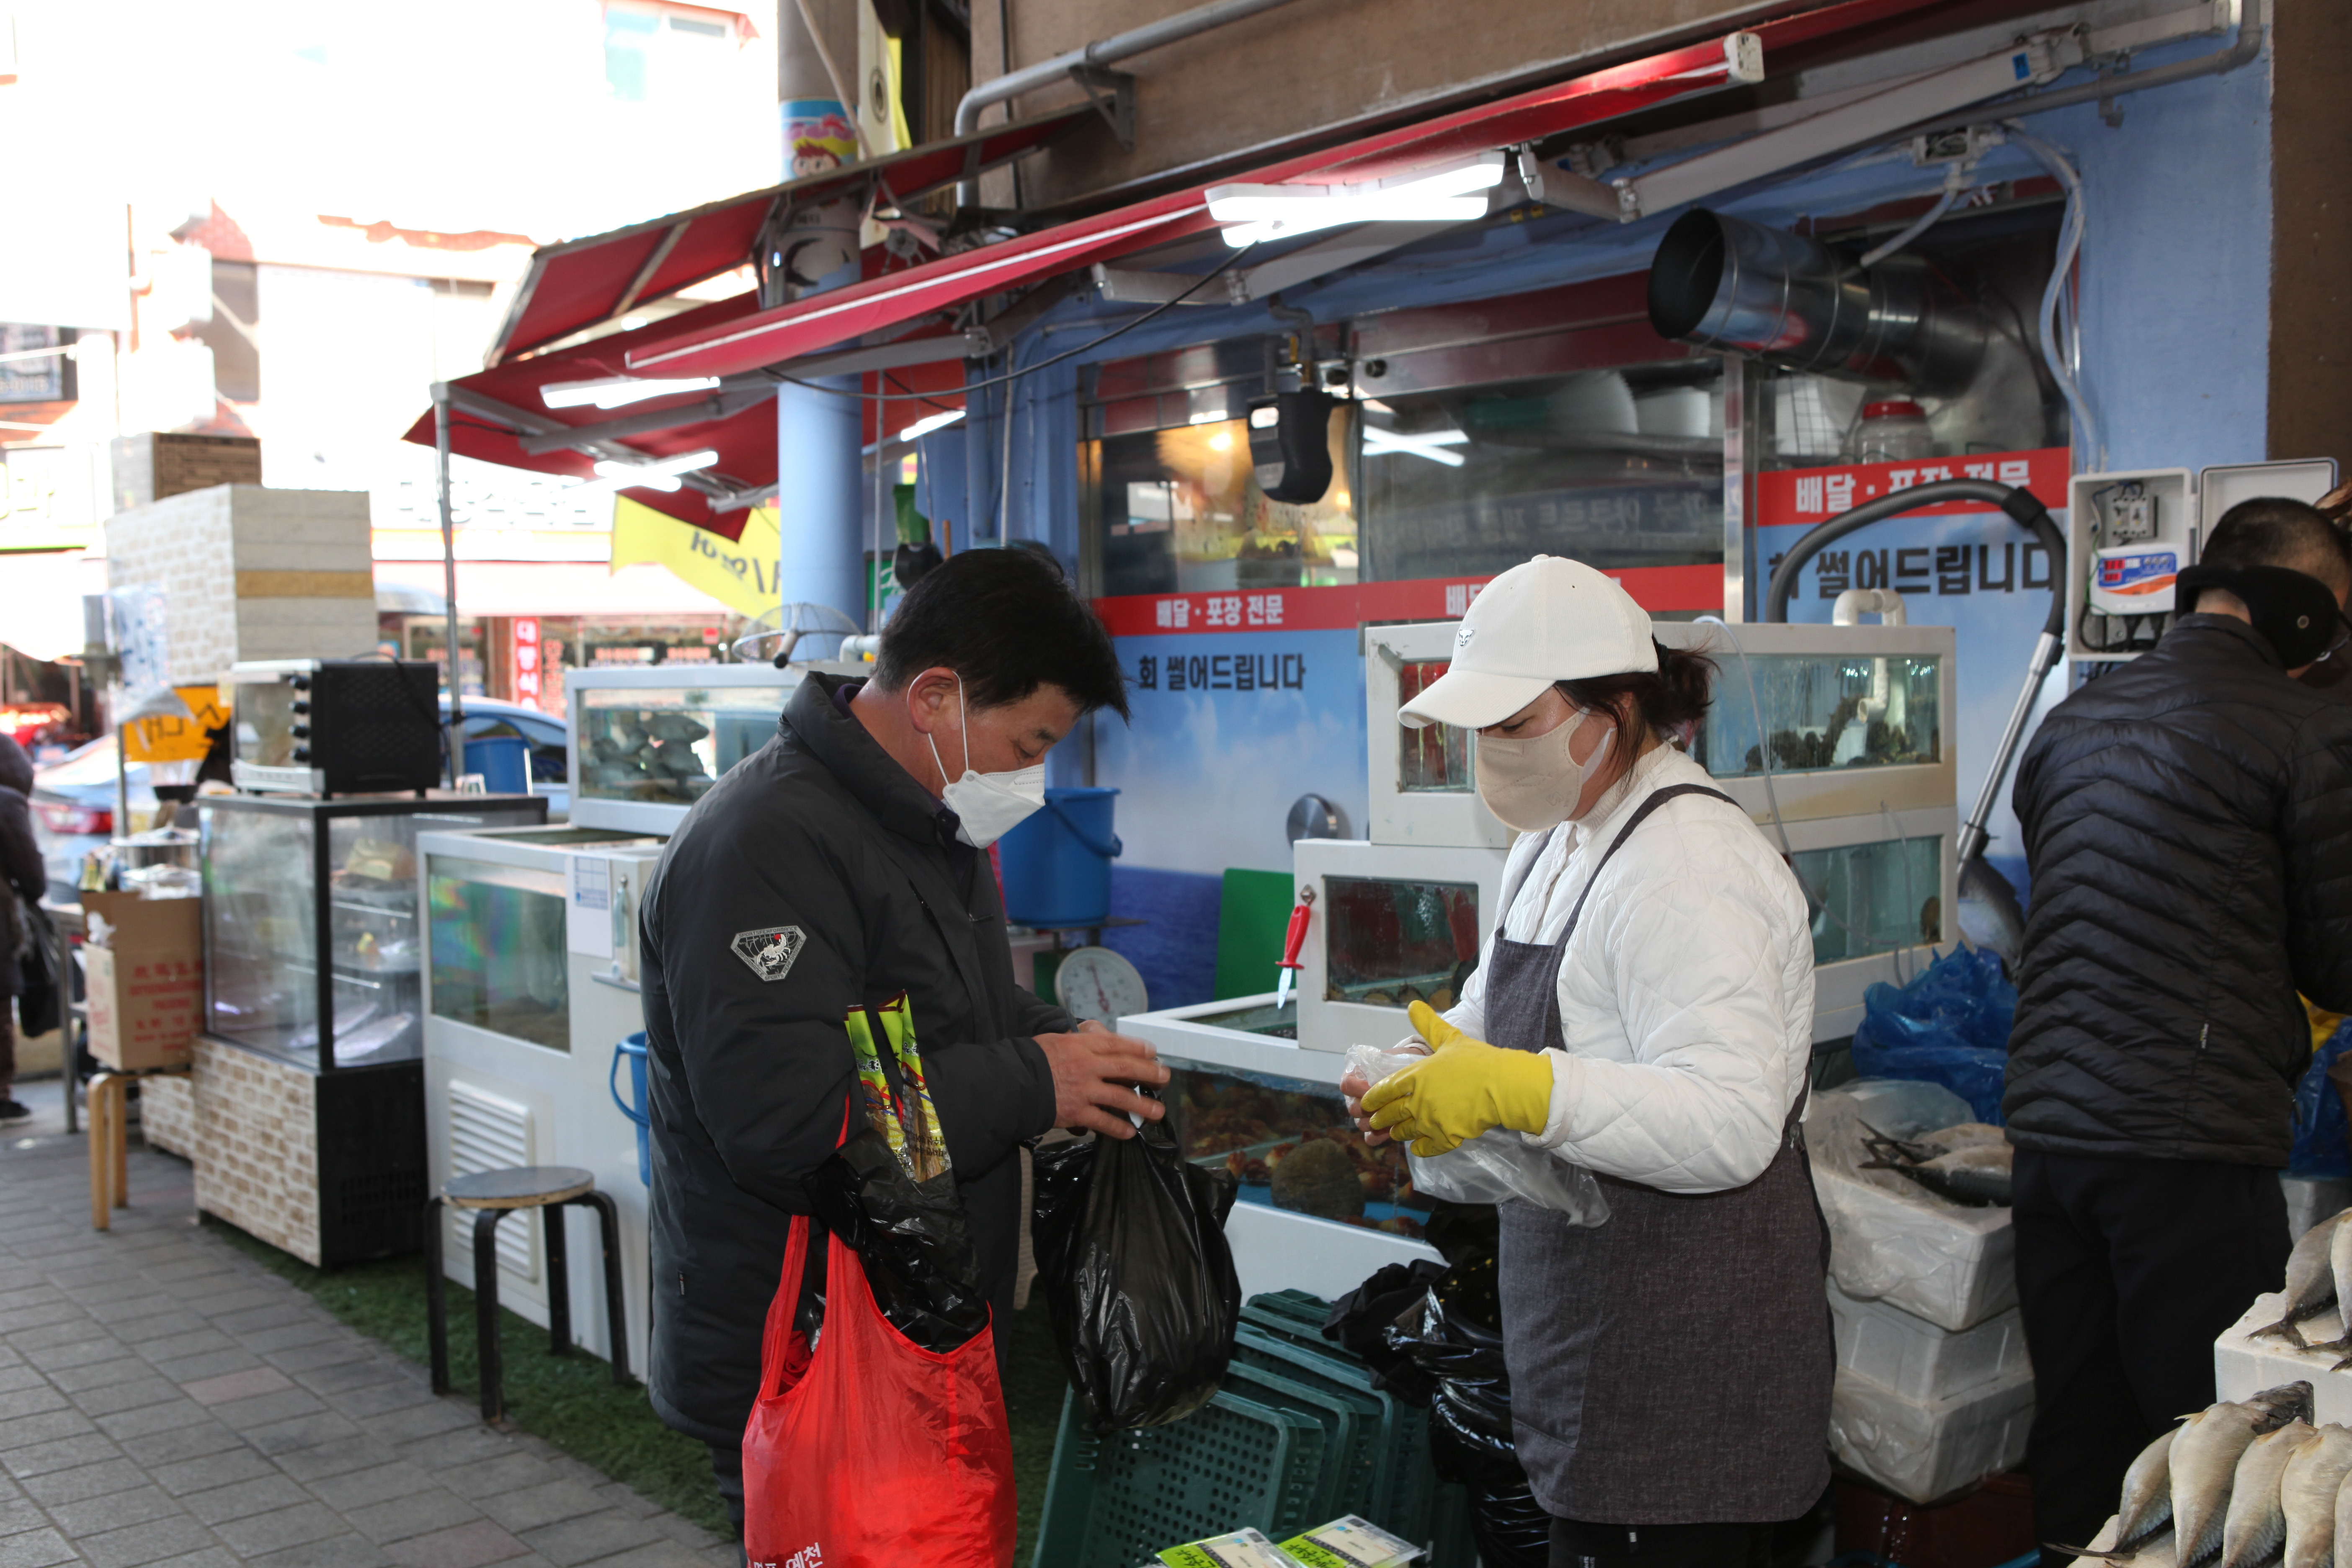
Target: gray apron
pixel 1672 1365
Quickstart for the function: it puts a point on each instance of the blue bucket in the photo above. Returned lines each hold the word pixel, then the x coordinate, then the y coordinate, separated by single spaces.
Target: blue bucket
pixel 633 1051
pixel 1057 864
pixel 503 761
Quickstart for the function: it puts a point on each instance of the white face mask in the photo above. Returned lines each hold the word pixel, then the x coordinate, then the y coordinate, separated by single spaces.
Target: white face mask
pixel 987 806
pixel 1533 784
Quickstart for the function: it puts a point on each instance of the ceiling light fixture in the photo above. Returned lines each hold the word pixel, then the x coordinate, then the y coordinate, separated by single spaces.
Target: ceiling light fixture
pixel 1380 443
pixel 1455 193
pixel 658 476
pixel 617 391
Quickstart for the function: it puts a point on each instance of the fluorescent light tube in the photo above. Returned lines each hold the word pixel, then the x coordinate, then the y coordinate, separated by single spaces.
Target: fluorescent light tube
pixel 930 423
pixel 1452 194
pixel 617 391
pixel 1380 443
pixel 655 476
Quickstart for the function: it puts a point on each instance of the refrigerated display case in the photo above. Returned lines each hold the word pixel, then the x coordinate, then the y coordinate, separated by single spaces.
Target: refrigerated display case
pixel 307 1061
pixel 529 985
pixel 645 744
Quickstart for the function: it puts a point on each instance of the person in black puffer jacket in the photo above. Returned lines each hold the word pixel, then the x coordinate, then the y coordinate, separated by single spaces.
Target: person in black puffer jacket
pixel 2188 821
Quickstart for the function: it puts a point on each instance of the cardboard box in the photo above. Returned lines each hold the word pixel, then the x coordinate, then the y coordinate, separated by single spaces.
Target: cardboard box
pixel 146 987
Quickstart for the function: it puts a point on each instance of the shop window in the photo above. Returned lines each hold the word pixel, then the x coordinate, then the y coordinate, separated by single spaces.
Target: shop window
pixel 1616 468
pixel 1178 510
pixel 662 52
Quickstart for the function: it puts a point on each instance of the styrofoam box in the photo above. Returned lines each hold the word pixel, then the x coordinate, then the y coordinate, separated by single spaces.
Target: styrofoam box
pixel 1911 1356
pixel 1954 1266
pixel 1923 1449
pixel 2243 1365
pixel 2310 1199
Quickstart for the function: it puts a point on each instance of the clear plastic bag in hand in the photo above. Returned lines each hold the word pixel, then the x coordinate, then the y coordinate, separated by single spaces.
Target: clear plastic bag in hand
pixel 1494 1167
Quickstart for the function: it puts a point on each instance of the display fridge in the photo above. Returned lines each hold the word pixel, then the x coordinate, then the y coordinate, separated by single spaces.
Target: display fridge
pixel 307 1085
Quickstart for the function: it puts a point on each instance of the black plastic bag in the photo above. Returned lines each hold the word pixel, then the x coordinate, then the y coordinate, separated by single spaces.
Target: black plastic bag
pixel 1131 1252
pixel 1457 1341
pixel 912 1236
pixel 1360 1320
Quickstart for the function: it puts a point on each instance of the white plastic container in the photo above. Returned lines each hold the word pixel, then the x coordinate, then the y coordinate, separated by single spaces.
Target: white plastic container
pixel 2243 1365
pixel 1893 1243
pixel 1926 1449
pixel 1912 1357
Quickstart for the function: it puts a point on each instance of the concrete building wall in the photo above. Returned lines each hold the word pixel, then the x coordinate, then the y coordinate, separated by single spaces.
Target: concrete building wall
pixel 250 573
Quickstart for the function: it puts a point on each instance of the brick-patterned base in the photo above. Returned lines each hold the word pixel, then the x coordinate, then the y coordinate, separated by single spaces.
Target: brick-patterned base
pixel 257 1145
pixel 167 1114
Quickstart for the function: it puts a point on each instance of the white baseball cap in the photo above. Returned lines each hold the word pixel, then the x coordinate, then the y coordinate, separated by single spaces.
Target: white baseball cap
pixel 1548 619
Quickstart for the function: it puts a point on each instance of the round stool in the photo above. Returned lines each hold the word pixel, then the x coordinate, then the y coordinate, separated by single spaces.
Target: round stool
pixel 492 1195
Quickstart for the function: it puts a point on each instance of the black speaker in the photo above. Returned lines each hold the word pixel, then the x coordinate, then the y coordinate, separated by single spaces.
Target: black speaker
pixel 1290 443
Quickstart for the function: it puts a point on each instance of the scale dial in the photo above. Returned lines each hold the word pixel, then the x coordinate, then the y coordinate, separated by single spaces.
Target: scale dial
pixel 1095 982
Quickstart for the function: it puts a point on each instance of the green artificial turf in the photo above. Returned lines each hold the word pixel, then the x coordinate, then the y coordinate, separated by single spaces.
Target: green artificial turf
pixel 573 1402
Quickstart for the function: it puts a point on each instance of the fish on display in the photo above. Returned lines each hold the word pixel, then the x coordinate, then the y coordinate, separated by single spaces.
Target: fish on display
pixel 2146 1511
pixel 2254 1524
pixel 1961 1163
pixel 2308 1490
pixel 2204 1463
pixel 2339 1270
pixel 2310 1282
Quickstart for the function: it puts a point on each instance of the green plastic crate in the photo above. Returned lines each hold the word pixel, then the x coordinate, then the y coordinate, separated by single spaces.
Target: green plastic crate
pixel 1451 1545
pixel 1351 1430
pixel 1112 1502
pixel 1274 1320
pixel 1400 1498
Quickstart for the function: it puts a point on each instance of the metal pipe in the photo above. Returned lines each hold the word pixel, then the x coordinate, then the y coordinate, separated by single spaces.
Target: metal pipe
pixel 1047 73
pixel 1722 282
pixel 456 716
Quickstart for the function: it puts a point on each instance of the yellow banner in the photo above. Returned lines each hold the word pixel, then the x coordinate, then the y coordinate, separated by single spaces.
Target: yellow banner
pixel 741 575
pixel 177 740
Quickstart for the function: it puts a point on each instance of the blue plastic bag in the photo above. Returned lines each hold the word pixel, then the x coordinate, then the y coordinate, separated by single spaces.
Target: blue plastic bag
pixel 1949 1026
pixel 2320 1148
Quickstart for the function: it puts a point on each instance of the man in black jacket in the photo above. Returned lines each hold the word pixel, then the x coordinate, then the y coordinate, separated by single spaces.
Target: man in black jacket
pixel 2187 820
pixel 839 866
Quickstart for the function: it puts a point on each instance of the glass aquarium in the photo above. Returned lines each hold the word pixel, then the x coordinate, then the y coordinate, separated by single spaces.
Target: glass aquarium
pixel 1824 711
pixel 498 948
pixel 312 947
pixel 668 745
pixel 1393 942
pixel 1290 1145
pixel 1873 897
pixel 1435 758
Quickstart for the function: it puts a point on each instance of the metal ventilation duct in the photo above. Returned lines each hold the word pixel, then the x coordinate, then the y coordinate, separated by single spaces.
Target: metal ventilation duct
pixel 1722 283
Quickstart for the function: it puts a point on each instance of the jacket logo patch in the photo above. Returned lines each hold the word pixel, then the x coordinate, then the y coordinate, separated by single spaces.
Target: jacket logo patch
pixel 770 951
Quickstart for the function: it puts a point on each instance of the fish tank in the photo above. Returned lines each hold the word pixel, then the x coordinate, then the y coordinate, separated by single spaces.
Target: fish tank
pixel 1290 1145
pixel 1869 899
pixel 1821 712
pixel 1391 941
pixel 498 933
pixel 646 743
pixel 1434 758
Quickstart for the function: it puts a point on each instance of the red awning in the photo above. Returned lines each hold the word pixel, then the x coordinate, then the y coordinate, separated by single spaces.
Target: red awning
pixel 580 282
pixel 498 415
pixel 805 326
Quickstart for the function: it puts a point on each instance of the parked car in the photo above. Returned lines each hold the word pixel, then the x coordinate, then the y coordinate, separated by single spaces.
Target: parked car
pixel 73 800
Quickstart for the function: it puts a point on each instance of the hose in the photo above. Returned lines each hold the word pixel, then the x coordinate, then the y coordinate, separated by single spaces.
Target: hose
pixel 2070 241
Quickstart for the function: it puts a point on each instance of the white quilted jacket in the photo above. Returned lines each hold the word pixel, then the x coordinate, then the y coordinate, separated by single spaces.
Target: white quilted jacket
pixel 1687 995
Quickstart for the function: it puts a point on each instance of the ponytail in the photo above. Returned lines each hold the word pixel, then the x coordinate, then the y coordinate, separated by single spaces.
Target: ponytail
pixel 1671 700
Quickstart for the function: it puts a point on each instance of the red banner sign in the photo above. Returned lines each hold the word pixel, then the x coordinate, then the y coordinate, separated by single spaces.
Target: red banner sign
pixel 1784 496
pixel 1655 589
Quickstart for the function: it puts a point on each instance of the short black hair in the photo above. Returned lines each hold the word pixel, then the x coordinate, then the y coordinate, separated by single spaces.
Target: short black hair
pixel 2272 530
pixel 1008 622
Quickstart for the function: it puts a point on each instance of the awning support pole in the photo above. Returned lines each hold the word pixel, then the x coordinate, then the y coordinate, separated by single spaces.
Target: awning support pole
pixel 451 724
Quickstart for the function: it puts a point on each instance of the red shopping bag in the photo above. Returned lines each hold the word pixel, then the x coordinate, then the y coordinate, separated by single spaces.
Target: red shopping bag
pixel 868 1451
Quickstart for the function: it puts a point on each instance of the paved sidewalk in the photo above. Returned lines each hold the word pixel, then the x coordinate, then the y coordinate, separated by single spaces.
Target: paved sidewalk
pixel 164 1400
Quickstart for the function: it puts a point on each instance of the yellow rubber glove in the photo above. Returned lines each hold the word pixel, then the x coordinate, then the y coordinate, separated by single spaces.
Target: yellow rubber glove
pixel 1467 1087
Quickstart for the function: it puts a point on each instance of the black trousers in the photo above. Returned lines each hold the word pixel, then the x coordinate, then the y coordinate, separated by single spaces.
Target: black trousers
pixel 2126 1271
pixel 726 1468
pixel 1576 1544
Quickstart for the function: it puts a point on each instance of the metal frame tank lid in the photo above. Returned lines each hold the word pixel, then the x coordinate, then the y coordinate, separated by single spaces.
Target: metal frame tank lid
pixel 1724 283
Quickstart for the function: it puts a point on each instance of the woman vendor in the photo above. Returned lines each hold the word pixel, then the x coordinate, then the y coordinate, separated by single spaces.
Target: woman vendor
pixel 1645 1010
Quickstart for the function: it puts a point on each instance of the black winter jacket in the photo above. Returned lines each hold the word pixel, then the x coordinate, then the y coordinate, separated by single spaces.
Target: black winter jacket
pixel 820 833
pixel 22 875
pixel 2189 823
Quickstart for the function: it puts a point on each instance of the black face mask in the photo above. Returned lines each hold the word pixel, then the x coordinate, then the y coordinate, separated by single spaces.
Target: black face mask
pixel 2295 613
